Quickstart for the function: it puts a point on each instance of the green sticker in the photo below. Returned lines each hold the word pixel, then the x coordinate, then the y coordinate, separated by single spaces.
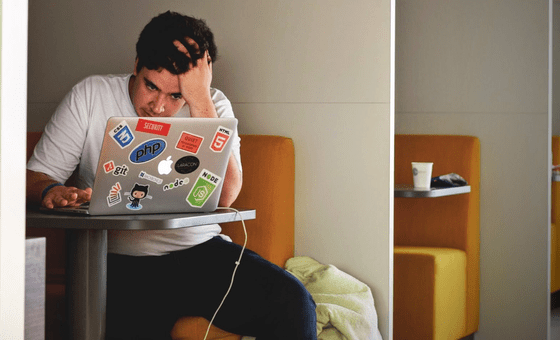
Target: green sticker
pixel 203 188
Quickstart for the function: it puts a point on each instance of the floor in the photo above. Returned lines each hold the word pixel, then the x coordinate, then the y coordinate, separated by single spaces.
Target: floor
pixel 555 324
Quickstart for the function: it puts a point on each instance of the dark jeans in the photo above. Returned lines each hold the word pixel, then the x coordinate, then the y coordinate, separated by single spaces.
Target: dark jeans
pixel 147 294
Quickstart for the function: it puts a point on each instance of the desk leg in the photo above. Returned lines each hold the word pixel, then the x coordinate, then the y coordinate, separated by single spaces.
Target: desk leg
pixel 86 283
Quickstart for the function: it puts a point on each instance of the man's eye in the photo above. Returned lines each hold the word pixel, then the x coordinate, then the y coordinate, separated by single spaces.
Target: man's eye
pixel 176 96
pixel 151 86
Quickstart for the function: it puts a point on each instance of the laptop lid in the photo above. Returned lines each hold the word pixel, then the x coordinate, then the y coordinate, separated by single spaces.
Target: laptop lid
pixel 162 165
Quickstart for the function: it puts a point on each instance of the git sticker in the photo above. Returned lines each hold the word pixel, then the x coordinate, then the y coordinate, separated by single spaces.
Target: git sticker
pixel 189 142
pixel 220 139
pixel 122 134
pixel 109 167
pixel 203 188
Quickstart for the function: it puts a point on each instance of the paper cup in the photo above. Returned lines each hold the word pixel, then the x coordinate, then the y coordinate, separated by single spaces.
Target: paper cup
pixel 422 174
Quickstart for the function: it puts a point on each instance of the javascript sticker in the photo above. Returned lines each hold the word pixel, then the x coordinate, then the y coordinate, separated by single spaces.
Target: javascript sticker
pixel 203 188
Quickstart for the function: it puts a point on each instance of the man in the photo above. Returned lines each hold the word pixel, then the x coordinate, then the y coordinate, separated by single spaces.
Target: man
pixel 154 276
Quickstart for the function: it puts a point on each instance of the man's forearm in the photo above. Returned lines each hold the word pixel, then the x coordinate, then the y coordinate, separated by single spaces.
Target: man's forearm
pixel 232 183
pixel 36 183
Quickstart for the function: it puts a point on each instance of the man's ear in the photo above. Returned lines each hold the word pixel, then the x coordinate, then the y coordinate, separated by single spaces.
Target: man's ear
pixel 134 72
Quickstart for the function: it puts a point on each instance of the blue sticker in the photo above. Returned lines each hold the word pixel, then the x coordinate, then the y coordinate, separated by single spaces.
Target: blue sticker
pixel 122 134
pixel 147 151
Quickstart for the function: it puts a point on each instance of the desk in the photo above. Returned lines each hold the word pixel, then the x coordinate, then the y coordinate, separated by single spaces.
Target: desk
pixel 86 273
pixel 405 190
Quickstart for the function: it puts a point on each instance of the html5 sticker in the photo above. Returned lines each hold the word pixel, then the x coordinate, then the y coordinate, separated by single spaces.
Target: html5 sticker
pixel 189 142
pixel 221 137
pixel 150 126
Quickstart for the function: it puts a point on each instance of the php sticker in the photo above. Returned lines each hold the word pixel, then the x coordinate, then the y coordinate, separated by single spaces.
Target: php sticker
pixel 114 195
pixel 189 142
pixel 220 139
pixel 122 134
pixel 150 126
pixel 203 188
pixel 147 151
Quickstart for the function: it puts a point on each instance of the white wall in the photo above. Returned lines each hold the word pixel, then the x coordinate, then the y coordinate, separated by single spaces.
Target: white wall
pixel 480 68
pixel 317 71
pixel 13 70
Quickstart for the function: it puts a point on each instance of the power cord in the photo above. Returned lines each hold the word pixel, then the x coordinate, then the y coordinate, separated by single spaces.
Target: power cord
pixel 237 263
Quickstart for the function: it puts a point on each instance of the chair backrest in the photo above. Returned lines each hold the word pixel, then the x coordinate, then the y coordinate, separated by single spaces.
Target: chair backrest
pixel 448 222
pixel 268 186
pixel 555 190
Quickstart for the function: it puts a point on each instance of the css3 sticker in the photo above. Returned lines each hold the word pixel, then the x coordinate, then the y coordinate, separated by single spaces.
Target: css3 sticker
pixel 122 134
pixel 203 188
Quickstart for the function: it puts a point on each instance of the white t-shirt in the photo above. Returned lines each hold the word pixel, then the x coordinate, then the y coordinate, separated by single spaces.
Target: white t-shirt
pixel 73 138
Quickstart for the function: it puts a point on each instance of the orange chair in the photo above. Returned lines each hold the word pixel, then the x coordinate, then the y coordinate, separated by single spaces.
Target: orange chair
pixel 268 187
pixel 437 242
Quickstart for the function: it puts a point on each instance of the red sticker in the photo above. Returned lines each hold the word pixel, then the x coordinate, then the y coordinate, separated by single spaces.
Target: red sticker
pixel 150 126
pixel 189 142
pixel 109 166
pixel 220 139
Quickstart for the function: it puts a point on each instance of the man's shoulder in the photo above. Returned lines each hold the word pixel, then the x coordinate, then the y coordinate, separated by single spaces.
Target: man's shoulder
pixel 97 80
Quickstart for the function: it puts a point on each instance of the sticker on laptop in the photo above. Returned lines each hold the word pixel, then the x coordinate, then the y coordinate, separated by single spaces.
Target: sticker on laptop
pixel 149 177
pixel 109 167
pixel 203 188
pixel 150 126
pixel 120 170
pixel 164 166
pixel 114 195
pixel 147 151
pixel 138 193
pixel 187 164
pixel 122 134
pixel 189 142
pixel 175 184
pixel 220 139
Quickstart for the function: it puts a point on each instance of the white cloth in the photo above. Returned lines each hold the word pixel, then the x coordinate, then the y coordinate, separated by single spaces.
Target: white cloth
pixel 73 138
pixel 345 307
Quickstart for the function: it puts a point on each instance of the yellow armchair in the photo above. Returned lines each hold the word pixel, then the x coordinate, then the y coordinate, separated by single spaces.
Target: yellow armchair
pixel 437 242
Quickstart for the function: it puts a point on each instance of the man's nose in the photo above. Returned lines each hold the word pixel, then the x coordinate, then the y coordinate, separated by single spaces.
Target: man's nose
pixel 159 104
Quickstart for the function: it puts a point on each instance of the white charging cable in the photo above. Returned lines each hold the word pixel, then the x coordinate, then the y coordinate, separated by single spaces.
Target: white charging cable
pixel 237 263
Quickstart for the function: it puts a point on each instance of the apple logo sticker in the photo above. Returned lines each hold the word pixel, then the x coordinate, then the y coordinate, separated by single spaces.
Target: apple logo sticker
pixel 164 167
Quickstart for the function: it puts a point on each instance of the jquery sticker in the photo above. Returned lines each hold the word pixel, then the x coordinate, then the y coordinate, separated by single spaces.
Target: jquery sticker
pixel 220 139
pixel 187 164
pixel 189 142
pixel 203 188
pixel 122 134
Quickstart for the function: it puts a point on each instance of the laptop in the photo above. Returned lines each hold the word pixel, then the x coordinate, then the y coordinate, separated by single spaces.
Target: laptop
pixel 160 165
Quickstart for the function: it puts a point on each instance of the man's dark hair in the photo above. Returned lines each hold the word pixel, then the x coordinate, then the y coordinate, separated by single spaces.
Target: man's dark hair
pixel 155 48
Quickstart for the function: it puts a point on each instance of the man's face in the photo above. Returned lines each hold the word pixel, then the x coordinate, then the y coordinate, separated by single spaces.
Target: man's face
pixel 155 93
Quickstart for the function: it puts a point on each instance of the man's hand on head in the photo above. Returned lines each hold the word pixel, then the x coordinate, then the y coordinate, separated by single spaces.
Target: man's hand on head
pixel 62 196
pixel 195 83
